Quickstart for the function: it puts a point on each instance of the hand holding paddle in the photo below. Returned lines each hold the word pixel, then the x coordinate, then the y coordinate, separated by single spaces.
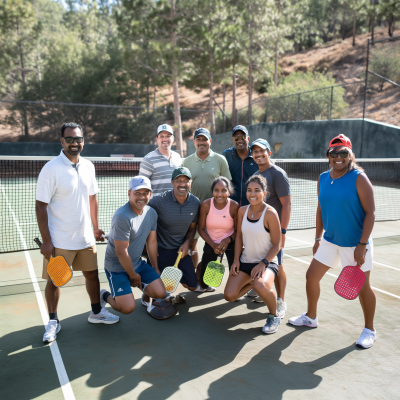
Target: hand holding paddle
pixel 359 254
pixel 99 235
pixel 46 249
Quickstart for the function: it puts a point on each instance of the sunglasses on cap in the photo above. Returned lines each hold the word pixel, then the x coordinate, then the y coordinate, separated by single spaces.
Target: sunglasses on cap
pixel 72 139
pixel 342 154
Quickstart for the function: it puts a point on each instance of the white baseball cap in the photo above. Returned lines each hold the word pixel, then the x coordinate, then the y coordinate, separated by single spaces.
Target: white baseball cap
pixel 140 182
pixel 165 127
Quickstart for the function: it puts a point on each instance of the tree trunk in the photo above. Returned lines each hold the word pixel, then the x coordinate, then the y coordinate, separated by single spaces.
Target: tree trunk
pixel 212 115
pixel 250 109
pixel 276 65
pixel 373 28
pixel 234 116
pixel 175 87
pixel 223 97
pixel 23 81
pixel 390 25
pixel 354 27
pixel 148 94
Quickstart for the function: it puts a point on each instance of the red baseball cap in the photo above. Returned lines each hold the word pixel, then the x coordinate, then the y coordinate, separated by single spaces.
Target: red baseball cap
pixel 344 140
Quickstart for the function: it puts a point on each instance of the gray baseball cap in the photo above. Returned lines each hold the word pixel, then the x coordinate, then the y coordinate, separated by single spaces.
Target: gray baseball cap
pixel 140 182
pixel 261 143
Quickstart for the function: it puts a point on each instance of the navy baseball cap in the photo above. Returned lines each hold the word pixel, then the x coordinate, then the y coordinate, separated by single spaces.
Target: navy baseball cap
pixel 140 182
pixel 181 171
pixel 261 143
pixel 202 131
pixel 240 128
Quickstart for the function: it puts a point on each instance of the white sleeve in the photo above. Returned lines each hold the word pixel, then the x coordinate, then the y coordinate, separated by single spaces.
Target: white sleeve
pixel 94 187
pixel 46 185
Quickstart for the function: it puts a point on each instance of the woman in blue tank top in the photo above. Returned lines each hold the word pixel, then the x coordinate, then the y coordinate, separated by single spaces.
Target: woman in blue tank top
pixel 346 212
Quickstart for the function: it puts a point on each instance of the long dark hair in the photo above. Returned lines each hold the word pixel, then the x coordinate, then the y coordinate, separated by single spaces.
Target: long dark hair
pixel 352 157
pixel 226 181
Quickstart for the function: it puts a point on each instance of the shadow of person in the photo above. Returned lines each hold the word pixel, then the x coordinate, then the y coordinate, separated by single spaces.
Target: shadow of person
pixel 149 359
pixel 266 375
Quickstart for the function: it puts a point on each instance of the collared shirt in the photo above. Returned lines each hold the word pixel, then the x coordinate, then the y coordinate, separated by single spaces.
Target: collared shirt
pixel 127 226
pixel 204 172
pixel 241 170
pixel 158 169
pixel 277 186
pixel 66 188
pixel 174 218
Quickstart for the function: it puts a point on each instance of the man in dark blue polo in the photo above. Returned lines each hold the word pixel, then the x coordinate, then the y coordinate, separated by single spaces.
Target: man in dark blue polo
pixel 241 163
pixel 177 211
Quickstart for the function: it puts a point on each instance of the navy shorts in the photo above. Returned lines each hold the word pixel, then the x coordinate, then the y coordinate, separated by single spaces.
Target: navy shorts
pixel 120 283
pixel 166 258
pixel 247 268
pixel 280 257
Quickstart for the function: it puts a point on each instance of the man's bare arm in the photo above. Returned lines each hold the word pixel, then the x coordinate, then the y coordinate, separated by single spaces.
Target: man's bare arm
pixel 47 248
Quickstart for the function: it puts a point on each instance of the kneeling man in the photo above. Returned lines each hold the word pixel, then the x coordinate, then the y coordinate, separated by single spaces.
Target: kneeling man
pixel 134 225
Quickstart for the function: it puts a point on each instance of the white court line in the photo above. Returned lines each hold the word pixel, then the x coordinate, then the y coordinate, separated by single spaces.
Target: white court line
pixel 55 351
pixel 375 262
pixel 335 276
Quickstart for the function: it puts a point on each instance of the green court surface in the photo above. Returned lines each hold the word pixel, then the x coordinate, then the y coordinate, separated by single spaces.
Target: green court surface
pixel 211 349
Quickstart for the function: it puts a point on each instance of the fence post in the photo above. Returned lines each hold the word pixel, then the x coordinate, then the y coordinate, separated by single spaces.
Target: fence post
pixel 365 98
pixel 266 113
pixel 298 107
pixel 330 109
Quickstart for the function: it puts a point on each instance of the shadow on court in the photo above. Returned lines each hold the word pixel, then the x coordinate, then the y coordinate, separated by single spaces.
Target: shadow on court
pixel 157 357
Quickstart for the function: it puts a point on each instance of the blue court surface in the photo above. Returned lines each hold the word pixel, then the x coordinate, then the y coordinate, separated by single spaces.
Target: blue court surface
pixel 211 349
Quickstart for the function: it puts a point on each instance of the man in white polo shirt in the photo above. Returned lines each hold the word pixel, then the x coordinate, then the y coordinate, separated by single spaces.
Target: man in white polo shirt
pixel 66 205
pixel 160 163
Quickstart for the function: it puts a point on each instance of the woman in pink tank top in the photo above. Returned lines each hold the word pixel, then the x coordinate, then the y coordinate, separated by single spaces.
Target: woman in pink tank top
pixel 217 226
pixel 256 267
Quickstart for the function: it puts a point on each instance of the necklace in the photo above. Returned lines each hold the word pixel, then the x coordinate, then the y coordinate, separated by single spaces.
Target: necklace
pixel 333 179
pixel 252 213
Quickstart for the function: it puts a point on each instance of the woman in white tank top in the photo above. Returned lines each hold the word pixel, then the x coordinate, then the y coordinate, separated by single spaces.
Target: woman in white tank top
pixel 256 267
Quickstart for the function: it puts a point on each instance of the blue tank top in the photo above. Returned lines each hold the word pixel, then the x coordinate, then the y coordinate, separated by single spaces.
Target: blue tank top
pixel 342 212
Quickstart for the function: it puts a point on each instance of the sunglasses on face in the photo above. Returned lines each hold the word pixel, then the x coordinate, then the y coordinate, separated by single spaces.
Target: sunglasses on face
pixel 72 139
pixel 237 138
pixel 342 154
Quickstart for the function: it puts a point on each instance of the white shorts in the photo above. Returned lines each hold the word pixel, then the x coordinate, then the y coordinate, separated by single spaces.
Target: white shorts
pixel 330 255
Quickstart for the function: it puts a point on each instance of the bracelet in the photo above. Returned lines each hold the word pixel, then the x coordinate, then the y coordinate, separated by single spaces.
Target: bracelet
pixel 283 231
pixel 362 244
pixel 318 239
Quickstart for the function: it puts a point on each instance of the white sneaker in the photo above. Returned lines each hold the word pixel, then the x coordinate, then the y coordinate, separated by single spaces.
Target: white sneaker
pixel 272 324
pixel 252 293
pixel 304 320
pixel 281 307
pixel 202 290
pixel 145 303
pixel 103 317
pixel 53 327
pixel 366 339
pixel 258 299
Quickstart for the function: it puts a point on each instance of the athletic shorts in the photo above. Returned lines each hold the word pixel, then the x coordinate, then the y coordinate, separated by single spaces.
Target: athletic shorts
pixel 247 268
pixel 209 255
pixel 331 255
pixel 120 283
pixel 280 257
pixel 80 260
pixel 167 258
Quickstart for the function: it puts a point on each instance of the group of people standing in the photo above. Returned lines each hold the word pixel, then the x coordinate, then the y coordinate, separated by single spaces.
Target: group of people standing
pixel 238 202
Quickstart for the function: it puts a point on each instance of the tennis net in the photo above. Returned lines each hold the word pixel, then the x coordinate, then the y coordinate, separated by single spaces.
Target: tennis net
pixel 18 179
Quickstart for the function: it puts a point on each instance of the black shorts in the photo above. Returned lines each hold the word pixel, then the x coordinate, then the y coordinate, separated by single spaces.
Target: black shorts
pixel 209 255
pixel 247 268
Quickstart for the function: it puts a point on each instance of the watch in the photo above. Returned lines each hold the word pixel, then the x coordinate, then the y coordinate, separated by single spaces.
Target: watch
pixel 265 261
pixel 283 231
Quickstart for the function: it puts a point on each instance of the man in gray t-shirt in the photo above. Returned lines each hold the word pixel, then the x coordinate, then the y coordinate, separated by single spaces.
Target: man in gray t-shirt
pixel 278 197
pixel 132 226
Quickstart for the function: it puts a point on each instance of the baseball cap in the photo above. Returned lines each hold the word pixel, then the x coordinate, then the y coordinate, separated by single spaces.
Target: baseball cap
pixel 240 128
pixel 344 141
pixel 165 127
pixel 181 171
pixel 261 143
pixel 140 182
pixel 202 131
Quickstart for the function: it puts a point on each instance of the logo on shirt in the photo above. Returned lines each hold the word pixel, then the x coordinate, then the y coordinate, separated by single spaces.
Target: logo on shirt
pixel 191 213
pixel 224 216
pixel 251 163
pixel 119 290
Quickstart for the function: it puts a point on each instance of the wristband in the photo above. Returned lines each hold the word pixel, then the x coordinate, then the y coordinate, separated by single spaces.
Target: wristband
pixel 283 231
pixel 318 239
pixel 362 244
pixel 265 261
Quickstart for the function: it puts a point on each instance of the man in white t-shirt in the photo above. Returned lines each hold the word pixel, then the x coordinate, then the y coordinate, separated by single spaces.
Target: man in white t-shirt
pixel 66 206
pixel 159 164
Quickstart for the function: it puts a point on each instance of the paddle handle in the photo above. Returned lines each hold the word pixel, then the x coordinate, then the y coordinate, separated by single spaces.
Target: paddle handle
pixel 38 242
pixel 220 256
pixel 178 259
